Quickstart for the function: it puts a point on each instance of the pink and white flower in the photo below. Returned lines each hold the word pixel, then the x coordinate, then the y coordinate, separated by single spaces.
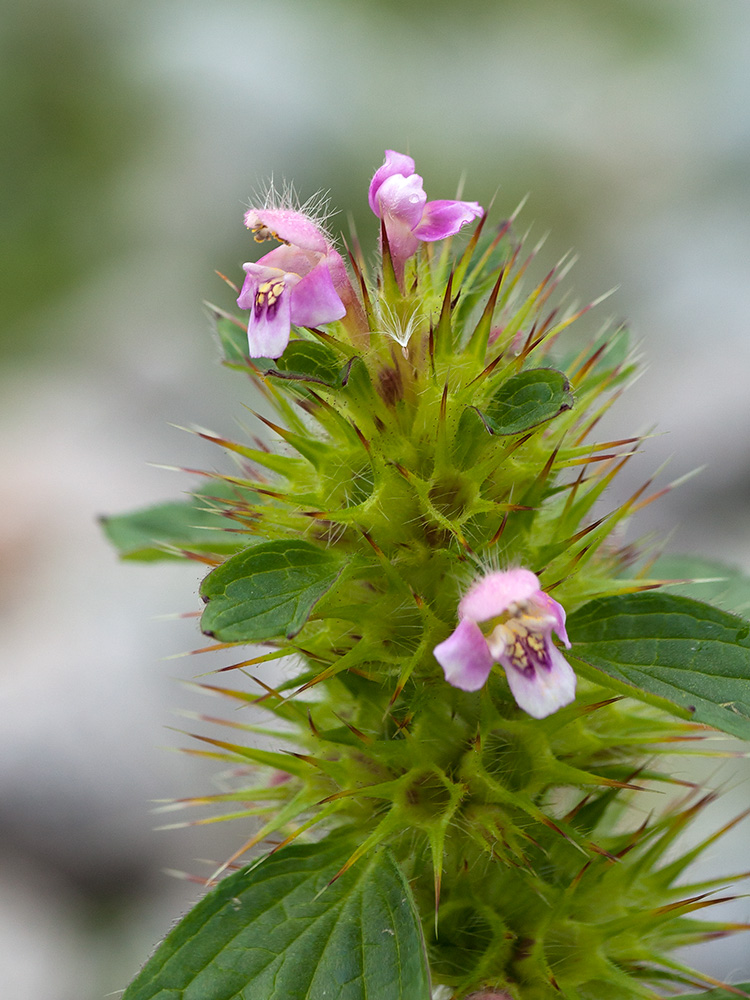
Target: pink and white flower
pixel 507 618
pixel 397 197
pixel 299 282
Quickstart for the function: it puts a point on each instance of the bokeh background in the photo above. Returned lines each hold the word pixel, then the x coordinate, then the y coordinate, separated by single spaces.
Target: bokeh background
pixel 132 136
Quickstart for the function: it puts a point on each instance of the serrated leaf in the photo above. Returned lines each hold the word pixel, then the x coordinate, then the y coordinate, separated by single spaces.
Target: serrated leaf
pixel 528 399
pixel 717 584
pixel 268 591
pixel 278 930
pixel 148 534
pixel 691 655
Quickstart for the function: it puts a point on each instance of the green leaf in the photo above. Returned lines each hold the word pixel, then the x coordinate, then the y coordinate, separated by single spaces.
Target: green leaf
pixel 268 591
pixel 309 361
pixel 527 400
pixel 723 586
pixel 233 339
pixel 357 382
pixel 472 434
pixel 668 649
pixel 278 931
pixel 195 524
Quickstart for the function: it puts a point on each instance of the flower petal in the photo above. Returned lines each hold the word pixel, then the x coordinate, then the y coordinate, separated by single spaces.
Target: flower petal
pixel 495 592
pixel 255 273
pixel 290 258
pixel 287 226
pixel 541 690
pixel 315 300
pixel 402 198
pixel 445 218
pixel 556 612
pixel 464 657
pixel 267 292
pixel 337 270
pixel 395 163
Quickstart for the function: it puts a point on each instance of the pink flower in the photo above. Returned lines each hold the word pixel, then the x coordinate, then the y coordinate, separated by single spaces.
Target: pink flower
pixel 397 197
pixel 518 619
pixel 298 282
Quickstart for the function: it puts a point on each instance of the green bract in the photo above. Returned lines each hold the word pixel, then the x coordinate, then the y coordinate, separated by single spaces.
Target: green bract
pixel 440 430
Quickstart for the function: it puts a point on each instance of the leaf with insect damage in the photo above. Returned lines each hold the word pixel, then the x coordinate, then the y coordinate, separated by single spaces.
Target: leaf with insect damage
pixel 282 928
pixel 268 591
pixel 688 657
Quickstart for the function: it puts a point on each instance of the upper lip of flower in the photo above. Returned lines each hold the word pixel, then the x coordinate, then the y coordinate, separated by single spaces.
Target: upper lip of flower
pixel 288 226
pixel 497 593
pixel 395 163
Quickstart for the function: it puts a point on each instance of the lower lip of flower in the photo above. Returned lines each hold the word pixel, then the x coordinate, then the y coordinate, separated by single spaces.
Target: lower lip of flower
pixel 524 648
pixel 267 296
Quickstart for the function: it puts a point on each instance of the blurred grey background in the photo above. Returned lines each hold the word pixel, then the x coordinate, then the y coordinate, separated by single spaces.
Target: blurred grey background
pixel 133 135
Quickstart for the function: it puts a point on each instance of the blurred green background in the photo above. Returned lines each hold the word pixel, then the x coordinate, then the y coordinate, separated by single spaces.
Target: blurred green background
pixel 133 136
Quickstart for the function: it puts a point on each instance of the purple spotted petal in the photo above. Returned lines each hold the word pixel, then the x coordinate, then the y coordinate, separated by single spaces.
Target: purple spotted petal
pixel 464 657
pixel 395 163
pixel 266 293
pixel 288 226
pixel 255 274
pixel 445 218
pixel 541 690
pixel 301 262
pixel 495 592
pixel 315 300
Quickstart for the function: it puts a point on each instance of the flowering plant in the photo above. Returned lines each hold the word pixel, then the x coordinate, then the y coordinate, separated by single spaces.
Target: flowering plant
pixel 448 803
